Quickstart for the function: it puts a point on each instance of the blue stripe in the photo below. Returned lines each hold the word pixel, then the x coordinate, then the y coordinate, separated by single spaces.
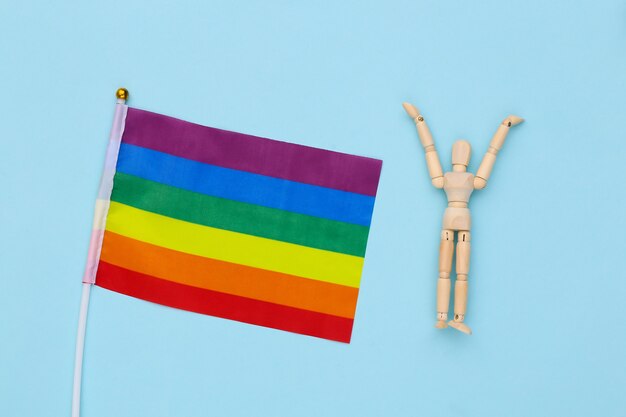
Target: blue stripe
pixel 244 186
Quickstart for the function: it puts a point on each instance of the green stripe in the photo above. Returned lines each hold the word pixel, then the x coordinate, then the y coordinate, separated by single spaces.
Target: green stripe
pixel 240 217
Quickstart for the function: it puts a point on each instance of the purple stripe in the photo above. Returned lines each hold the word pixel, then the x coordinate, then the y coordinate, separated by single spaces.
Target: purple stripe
pixel 233 150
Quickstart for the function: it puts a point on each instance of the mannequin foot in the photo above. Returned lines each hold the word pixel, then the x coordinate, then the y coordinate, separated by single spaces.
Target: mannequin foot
pixel 441 320
pixel 460 326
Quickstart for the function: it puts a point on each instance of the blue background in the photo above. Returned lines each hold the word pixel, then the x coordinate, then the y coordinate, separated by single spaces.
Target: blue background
pixel 547 277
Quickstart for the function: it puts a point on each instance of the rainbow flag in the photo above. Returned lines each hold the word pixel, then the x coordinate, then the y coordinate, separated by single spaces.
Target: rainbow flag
pixel 232 225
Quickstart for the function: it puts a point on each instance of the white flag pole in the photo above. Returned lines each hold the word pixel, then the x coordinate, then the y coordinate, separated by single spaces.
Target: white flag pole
pixel 102 207
pixel 80 348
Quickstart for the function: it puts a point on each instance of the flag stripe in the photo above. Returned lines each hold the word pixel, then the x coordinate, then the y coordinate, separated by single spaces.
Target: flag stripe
pixel 244 186
pixel 234 247
pixel 229 278
pixel 240 217
pixel 251 153
pixel 223 305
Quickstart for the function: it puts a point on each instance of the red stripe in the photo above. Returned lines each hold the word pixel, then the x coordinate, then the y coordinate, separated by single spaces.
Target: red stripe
pixel 223 305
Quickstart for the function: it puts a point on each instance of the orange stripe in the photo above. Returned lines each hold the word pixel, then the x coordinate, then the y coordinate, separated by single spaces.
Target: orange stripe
pixel 229 278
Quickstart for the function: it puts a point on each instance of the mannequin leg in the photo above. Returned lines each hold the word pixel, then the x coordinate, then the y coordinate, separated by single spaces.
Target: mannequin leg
pixel 446 248
pixel 460 287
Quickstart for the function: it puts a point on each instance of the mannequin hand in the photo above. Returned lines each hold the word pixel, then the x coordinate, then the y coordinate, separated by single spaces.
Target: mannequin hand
pixel 411 110
pixel 512 120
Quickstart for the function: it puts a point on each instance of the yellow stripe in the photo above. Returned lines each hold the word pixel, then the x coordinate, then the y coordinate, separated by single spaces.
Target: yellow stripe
pixel 238 248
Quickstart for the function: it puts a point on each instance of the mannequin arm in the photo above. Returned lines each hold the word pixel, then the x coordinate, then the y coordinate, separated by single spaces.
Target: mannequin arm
pixel 486 166
pixel 432 159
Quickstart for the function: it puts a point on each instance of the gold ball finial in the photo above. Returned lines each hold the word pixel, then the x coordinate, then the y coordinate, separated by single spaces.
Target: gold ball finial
pixel 122 93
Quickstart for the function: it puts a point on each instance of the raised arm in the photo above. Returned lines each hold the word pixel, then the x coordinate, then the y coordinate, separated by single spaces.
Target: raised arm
pixel 432 159
pixel 484 171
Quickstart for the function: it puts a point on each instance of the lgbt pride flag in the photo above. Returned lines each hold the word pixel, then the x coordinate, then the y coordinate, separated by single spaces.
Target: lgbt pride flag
pixel 232 225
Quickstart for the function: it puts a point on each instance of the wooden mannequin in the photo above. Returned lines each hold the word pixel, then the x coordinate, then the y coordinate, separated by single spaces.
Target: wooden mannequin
pixel 458 186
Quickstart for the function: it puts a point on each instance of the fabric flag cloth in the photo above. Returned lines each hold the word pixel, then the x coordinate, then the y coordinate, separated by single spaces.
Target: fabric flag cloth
pixel 231 225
